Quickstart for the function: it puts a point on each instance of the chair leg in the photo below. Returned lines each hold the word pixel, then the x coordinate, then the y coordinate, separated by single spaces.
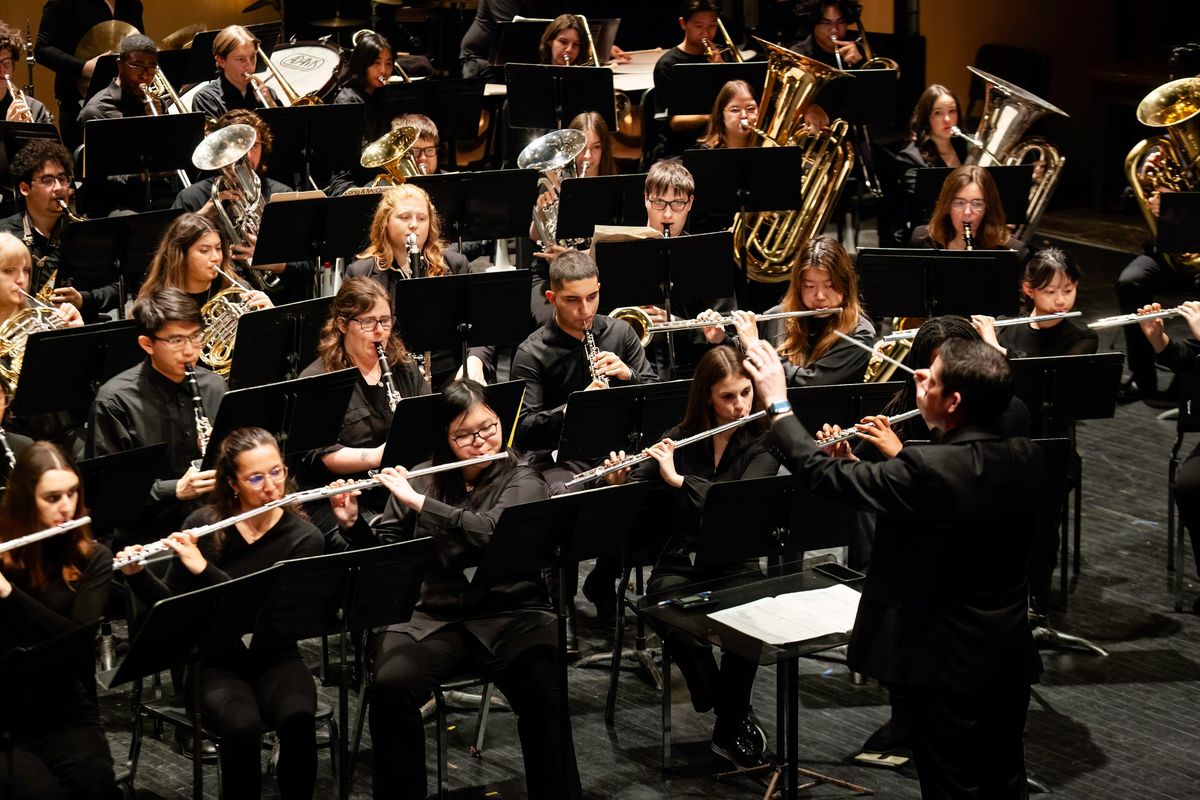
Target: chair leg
pixel 335 739
pixel 610 703
pixel 364 703
pixel 442 745
pixel 485 706
pixel 1078 515
pixel 1062 556
pixel 666 707
pixel 1172 468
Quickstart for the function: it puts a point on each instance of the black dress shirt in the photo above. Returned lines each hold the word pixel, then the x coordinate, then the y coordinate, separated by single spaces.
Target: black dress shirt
pixel 1064 339
pixel 553 365
pixel 842 363
pixel 219 95
pixel 112 103
pixel 37 108
pixel 672 143
pixel 64 23
pixel 808 47
pixel 46 251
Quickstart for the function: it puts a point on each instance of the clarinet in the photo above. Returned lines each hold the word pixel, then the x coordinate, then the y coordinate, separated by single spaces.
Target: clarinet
pixel 590 351
pixel 416 268
pixel 385 375
pixel 203 425
pixel 9 456
pixel 968 236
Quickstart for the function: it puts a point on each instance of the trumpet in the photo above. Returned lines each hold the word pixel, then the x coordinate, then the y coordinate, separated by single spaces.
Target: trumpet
pixel 159 551
pixel 851 433
pixel 47 533
pixel 639 320
pixel 1129 319
pixel 600 472
pixel 18 97
pixel 911 333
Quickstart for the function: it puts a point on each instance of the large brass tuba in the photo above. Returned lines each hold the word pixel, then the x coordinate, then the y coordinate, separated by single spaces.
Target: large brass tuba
pixel 1008 111
pixel 393 154
pixel 553 155
pixel 1171 161
pixel 773 239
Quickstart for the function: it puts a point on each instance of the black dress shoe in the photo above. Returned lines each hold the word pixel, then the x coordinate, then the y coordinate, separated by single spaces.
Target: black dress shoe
pixel 743 743
pixel 888 739
pixel 208 750
pixel 572 637
pixel 603 595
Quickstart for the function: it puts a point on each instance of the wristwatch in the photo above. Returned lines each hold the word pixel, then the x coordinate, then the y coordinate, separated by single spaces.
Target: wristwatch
pixel 777 408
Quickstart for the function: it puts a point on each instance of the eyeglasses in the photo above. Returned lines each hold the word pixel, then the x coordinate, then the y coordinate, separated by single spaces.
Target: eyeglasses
pixel 976 205
pixel 425 152
pixel 178 341
pixel 277 475
pixel 659 204
pixel 484 433
pixel 50 181
pixel 142 68
pixel 369 324
pixel 738 110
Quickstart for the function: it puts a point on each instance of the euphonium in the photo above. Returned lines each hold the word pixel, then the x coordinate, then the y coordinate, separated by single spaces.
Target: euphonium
pixel 773 239
pixel 290 95
pixel 1175 108
pixel 1008 111
pixel 553 155
pixel 393 153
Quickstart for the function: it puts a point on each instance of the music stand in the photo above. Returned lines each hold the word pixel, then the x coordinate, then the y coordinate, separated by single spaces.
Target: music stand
pixel 733 180
pixel 623 417
pixel 1066 389
pixel 14 136
pixel 174 65
pixel 140 146
pixel 313 140
pixel 693 86
pixel 454 312
pixel 897 282
pixel 604 36
pixel 96 353
pixel 492 204
pixel 869 99
pixel 843 404
pixel 454 104
pixel 335 227
pixel 584 203
pixel 550 96
pixel 415 422
pixel 1178 222
pixel 143 233
pixel 1012 183
pixel 303 414
pixel 112 479
pixel 276 344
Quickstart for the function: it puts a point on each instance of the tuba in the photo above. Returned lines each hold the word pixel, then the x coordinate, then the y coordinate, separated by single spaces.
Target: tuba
pixel 772 239
pixel 1008 111
pixel 393 154
pixel 553 155
pixel 1171 160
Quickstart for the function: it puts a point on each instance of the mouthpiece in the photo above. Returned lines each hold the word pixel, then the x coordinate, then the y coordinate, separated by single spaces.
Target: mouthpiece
pixel 411 241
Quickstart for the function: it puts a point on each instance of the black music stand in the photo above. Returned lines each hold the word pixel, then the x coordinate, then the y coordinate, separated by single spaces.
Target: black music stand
pixel 899 282
pixel 303 414
pixel 623 417
pixel 181 629
pixel 14 136
pixel 174 65
pixel 693 86
pixel 329 227
pixel 869 99
pixel 550 96
pixel 454 104
pixel 97 353
pixel 160 144
pixel 492 204
pixel 313 140
pixel 1012 183
pixel 276 344
pixel 114 478
pixel 454 312
pixel 842 404
pixel 106 70
pixel 517 41
pixel 602 200
pixel 1178 222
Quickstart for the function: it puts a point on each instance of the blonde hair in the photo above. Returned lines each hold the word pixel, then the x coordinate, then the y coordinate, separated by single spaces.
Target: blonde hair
pixel 13 249
pixel 380 248
pixel 231 38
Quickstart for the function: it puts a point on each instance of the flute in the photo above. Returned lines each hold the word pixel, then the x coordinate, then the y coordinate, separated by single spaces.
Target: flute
pixel 1129 319
pixel 851 433
pixel 1000 323
pixel 690 324
pixel 600 472
pixel 37 536
pixel 158 551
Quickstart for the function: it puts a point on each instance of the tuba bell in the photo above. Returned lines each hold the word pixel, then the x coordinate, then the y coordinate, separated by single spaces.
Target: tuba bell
pixel 553 155
pixel 393 153
pixel 1008 111
pixel 1171 160
pixel 773 239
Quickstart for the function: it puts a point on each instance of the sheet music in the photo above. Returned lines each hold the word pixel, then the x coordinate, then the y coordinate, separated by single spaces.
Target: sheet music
pixel 794 617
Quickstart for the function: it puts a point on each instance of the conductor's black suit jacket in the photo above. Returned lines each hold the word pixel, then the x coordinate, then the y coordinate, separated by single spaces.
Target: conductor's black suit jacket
pixel 946 595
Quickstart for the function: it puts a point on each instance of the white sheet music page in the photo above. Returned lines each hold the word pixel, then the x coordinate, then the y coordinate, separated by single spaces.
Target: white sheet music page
pixel 794 617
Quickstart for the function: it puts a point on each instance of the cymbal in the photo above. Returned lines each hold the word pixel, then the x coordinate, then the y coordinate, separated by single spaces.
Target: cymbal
pixel 181 38
pixel 257 4
pixel 389 2
pixel 338 22
pixel 102 38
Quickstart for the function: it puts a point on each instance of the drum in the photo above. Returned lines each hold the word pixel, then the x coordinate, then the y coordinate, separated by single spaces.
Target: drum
pixel 309 67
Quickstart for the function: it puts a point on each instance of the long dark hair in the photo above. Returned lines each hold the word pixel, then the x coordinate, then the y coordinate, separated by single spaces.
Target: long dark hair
pixel 918 124
pixel 33 565
pixel 931 335
pixel 714 133
pixel 715 366
pixel 168 268
pixel 824 253
pixel 365 53
pixel 559 24
pixel 593 121
pixel 1041 269
pixel 356 297
pixel 457 399
pixel 994 232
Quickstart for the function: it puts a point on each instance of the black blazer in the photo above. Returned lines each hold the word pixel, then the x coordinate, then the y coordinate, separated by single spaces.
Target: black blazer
pixel 946 596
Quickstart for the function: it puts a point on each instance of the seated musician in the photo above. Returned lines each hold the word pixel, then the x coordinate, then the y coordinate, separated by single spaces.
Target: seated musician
pixel 152 403
pixel 49 588
pixel 428 144
pixel 11 444
pixel 23 108
pixel 505 630
pixel 1048 287
pixel 367 69
pixel 15 266
pixel 968 198
pixel 721 393
pixel 235 52
pixel 403 211
pixel 123 97
pixel 698 19
pixel 828 42
pixel 480 38
pixel 361 317
pixel 812 353
pixel 565 42
pixel 193 257
pixel 734 114
pixel 266 685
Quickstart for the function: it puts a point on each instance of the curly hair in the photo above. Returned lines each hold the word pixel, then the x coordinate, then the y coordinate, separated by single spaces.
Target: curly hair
pixel 30 158
pixel 381 249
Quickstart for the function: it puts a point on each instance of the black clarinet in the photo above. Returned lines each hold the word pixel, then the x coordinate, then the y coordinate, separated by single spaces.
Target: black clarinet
pixel 203 425
pixel 424 360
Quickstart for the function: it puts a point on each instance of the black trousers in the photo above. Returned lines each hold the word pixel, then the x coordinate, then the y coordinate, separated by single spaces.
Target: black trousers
pixel 72 762
pixel 968 746
pixel 725 689
pixel 1187 495
pixel 249 692
pixel 1142 281
pixel 524 668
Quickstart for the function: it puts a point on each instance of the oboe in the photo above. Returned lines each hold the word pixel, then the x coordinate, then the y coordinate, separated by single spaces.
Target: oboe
pixel 385 375
pixel 850 433
pixel 9 456
pixel 158 551
pixel 38 536
pixel 203 425
pixel 600 472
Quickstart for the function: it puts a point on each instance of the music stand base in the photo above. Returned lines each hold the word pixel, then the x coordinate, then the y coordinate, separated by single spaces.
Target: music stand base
pixel 1048 637
pixel 775 786
pixel 645 662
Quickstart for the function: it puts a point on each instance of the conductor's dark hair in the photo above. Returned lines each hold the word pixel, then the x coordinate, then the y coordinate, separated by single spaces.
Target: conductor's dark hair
pixel 31 157
pixel 935 332
pixel 982 377
pixel 690 7
pixel 572 265
pixel 157 309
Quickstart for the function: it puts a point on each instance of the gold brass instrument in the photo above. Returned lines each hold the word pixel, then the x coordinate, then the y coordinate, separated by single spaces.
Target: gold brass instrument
pixel 711 50
pixel 772 240
pixel 104 37
pixel 292 97
pixel 221 315
pixel 160 91
pixel 1008 111
pixel 892 350
pixel 393 153
pixel 553 155
pixel 1172 159
pixel 18 97
pixel 871 61
pixel 224 151
pixel 15 331
pixel 45 294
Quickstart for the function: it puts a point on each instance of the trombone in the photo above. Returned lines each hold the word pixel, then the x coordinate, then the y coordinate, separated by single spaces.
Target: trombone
pixel 263 93
pixel 709 50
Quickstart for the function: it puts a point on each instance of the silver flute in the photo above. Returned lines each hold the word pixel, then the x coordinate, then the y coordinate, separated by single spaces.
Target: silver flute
pixel 590 352
pixel 158 551
pixel 851 433
pixel 691 324
pixel 385 375
pixel 37 536
pixel 629 461
pixel 1130 319
pixel 999 323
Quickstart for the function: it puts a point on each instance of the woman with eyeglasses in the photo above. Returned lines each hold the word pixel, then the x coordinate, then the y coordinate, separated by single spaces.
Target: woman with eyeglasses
pixel 504 629
pixel 968 201
pixel 734 115
pixel 246 690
